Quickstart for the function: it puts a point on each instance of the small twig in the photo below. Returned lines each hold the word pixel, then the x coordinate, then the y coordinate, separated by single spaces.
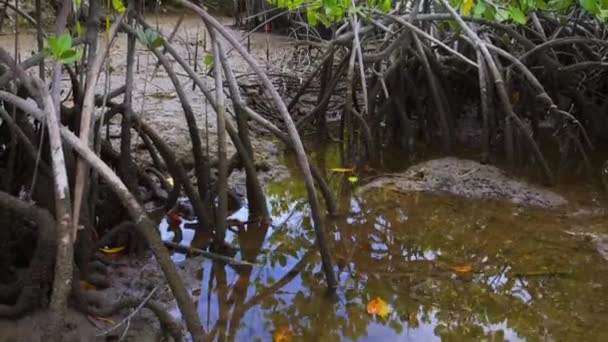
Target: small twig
pixel 210 255
pixel 124 333
pixel 468 173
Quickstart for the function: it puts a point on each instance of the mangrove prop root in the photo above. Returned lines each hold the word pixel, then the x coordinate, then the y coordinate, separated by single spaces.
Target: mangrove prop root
pixel 36 281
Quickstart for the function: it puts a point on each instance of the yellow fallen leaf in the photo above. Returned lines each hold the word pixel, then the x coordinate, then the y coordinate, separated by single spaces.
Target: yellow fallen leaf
pixel 86 285
pixel 191 252
pixel 170 181
pixel 378 307
pixel 464 268
pixel 515 96
pixel 341 169
pixel 353 179
pixel 105 320
pixel 282 334
pixel 114 250
pixel 164 95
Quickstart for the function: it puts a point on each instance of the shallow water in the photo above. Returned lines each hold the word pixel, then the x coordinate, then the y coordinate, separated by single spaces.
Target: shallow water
pixel 450 269
pixel 529 278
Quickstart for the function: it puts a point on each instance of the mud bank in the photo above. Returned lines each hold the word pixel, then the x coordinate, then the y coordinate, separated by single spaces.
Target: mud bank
pixel 468 179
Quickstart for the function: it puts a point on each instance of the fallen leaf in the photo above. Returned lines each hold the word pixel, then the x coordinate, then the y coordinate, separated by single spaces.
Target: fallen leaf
pixel 378 307
pixel 113 250
pixel 353 179
pixel 164 95
pixel 103 319
pixel 515 97
pixel 464 268
pixel 282 334
pixel 341 170
pixel 170 181
pixel 365 246
pixel 85 285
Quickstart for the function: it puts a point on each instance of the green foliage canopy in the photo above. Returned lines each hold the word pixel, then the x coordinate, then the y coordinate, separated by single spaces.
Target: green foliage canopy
pixel 516 11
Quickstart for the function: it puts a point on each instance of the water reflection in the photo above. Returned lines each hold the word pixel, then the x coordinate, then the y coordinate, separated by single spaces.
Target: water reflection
pixel 528 280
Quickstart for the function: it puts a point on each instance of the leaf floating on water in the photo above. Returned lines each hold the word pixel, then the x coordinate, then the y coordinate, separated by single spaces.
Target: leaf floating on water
pixel 379 307
pixel 282 334
pixel 342 170
pixel 464 268
pixel 114 250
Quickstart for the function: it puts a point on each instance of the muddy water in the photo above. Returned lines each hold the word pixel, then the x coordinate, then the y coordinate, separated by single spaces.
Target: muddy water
pixel 450 269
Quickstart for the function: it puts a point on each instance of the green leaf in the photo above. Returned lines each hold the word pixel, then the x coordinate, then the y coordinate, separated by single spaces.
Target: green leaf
pixel 282 260
pixel 386 5
pixel 158 42
pixel 119 6
pixel 311 16
pixel 479 9
pixel 150 38
pixel 141 36
pixel 69 56
pixel 208 60
pixel 590 5
pixel 64 42
pixel 53 48
pixel 153 39
pixel 58 46
pixel 78 29
pixel 517 15
pixel 502 15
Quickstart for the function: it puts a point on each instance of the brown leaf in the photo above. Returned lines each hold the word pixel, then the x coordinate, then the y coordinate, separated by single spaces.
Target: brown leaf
pixel 463 268
pixel 379 307
pixel 282 334
pixel 85 285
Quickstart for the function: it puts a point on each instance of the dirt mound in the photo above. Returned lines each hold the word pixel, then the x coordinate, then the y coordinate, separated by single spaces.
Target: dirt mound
pixel 467 178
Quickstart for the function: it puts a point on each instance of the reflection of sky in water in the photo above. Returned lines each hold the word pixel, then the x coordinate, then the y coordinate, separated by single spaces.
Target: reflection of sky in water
pixel 257 320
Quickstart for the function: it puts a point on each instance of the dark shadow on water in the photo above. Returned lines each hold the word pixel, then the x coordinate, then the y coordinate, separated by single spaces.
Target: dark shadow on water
pixel 450 269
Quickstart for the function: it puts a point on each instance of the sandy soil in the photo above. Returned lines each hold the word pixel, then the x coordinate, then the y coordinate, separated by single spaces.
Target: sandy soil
pixel 155 100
